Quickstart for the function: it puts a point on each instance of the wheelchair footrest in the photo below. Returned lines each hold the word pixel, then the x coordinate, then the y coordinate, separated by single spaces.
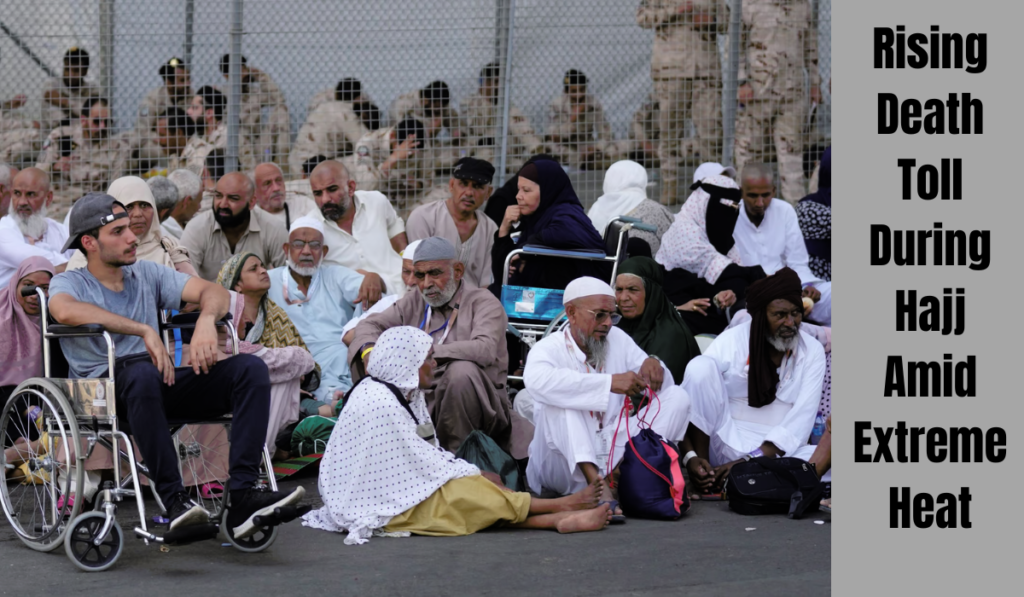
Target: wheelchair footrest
pixel 281 515
pixel 190 534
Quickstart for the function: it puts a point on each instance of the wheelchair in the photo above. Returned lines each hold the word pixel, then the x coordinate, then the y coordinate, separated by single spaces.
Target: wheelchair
pixel 50 426
pixel 533 313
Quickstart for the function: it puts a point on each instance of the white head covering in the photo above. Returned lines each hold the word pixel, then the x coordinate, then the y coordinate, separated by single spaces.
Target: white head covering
pixel 410 250
pixel 625 188
pixel 307 222
pixel 586 286
pixel 398 355
pixel 376 466
pixel 712 169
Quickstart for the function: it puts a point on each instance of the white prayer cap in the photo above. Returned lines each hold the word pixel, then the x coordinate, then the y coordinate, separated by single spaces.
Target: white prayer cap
pixel 711 169
pixel 586 286
pixel 307 222
pixel 410 250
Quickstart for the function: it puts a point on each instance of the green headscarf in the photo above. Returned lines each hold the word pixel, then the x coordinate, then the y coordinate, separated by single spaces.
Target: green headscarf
pixel 659 330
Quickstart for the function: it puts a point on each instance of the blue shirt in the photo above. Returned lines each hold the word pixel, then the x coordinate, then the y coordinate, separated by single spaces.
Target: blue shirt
pixel 321 319
pixel 148 287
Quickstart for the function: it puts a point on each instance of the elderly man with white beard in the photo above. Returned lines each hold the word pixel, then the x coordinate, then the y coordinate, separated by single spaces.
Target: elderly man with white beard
pixel 467 325
pixel 26 231
pixel 579 378
pixel 319 299
pixel 756 389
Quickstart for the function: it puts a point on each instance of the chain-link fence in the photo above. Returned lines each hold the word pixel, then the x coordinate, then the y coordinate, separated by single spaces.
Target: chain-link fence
pixel 588 81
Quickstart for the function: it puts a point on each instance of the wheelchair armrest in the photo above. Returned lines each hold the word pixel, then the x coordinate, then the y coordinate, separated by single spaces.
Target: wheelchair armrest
pixel 575 253
pixel 70 331
pixel 187 321
pixel 645 227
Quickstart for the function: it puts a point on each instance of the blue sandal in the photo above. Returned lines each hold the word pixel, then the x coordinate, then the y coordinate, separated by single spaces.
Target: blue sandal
pixel 616 518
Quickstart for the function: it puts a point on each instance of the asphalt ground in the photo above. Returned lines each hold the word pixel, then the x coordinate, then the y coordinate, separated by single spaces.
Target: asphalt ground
pixel 709 551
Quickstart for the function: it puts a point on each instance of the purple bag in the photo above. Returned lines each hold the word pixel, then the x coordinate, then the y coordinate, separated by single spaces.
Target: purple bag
pixel 651 483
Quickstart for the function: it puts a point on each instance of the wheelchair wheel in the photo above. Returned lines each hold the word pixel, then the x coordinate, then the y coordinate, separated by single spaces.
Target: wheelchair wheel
pixel 79 543
pixel 256 543
pixel 39 435
pixel 203 450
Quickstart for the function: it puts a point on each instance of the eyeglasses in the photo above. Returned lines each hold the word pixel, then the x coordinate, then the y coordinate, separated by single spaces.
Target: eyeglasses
pixel 602 316
pixel 314 245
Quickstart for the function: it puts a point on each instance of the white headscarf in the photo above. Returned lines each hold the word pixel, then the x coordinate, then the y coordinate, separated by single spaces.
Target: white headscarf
pixel 376 466
pixel 625 188
pixel 153 245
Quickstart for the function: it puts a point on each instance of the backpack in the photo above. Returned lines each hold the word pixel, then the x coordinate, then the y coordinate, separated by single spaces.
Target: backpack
pixel 767 485
pixel 651 483
pixel 479 449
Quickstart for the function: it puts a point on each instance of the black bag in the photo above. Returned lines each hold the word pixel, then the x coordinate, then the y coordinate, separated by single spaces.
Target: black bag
pixel 767 485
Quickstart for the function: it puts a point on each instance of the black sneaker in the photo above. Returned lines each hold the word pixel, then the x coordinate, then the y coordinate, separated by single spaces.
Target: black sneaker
pixel 183 512
pixel 249 503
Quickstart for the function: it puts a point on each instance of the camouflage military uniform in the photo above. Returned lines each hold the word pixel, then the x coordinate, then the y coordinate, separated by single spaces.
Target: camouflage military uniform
pixel 17 138
pixel 643 133
pixel 143 138
pixel 402 185
pixel 568 138
pixel 269 135
pixel 444 145
pixel 321 97
pixel 333 130
pixel 687 81
pixel 481 125
pixel 780 44
pixel 93 165
pixel 53 115
pixel 193 157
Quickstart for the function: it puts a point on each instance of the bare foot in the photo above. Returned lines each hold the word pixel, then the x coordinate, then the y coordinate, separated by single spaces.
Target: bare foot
pixel 594 519
pixel 585 499
pixel 607 495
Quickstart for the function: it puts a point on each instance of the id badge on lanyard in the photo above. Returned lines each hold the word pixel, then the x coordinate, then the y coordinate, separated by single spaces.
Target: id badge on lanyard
pixel 447 327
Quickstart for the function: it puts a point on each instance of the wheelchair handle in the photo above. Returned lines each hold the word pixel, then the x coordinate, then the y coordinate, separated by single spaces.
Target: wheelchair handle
pixel 28 290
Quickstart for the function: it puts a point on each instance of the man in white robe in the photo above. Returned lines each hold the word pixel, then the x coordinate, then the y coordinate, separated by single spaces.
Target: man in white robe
pixel 756 389
pixel 579 378
pixel 768 234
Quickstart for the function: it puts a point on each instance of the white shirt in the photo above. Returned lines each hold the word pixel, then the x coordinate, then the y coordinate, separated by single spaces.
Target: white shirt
pixel 369 247
pixel 14 249
pixel 298 206
pixel 171 227
pixel 776 243
pixel 787 421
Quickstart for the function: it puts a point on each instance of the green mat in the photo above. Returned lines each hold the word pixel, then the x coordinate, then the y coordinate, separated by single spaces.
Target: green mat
pixel 294 465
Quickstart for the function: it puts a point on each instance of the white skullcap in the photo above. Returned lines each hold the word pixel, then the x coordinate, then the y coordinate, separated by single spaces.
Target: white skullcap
pixel 307 222
pixel 586 286
pixel 410 250
pixel 712 169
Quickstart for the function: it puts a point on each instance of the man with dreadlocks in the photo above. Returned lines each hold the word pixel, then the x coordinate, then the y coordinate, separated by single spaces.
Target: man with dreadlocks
pixel 756 389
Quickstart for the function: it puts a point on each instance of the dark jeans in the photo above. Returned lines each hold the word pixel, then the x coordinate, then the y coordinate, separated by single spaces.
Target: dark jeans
pixel 238 385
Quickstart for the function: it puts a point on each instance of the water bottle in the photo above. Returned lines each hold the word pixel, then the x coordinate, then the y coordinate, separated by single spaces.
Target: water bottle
pixel 819 429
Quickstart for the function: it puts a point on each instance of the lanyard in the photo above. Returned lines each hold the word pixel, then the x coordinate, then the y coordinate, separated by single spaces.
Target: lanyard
pixel 285 276
pixel 447 326
pixel 572 354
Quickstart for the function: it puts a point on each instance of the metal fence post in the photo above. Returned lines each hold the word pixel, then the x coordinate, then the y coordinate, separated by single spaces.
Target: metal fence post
pixel 106 49
pixel 506 42
pixel 190 10
pixel 234 87
pixel 730 85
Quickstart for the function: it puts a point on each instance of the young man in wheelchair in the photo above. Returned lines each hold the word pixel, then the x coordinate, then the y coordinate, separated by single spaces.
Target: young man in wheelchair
pixel 124 296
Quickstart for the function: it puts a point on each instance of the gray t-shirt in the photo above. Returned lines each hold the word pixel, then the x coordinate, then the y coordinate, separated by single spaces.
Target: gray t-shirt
pixel 148 287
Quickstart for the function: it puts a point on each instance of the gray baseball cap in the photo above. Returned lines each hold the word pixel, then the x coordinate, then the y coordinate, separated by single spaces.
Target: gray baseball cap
pixel 92 211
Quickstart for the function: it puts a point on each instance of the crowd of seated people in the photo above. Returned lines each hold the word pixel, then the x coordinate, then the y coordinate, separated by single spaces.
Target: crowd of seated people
pixel 427 343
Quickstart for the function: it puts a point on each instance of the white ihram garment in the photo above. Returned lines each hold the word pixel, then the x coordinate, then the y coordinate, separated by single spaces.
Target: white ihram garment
pixel 777 243
pixel 717 383
pixel 575 412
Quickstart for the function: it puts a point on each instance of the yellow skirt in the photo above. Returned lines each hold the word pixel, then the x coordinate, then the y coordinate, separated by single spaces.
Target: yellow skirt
pixel 462 507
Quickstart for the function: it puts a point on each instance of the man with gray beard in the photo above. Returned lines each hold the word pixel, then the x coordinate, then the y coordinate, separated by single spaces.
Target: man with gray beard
pixel 319 299
pixel 26 231
pixel 579 378
pixel 468 326
pixel 757 387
